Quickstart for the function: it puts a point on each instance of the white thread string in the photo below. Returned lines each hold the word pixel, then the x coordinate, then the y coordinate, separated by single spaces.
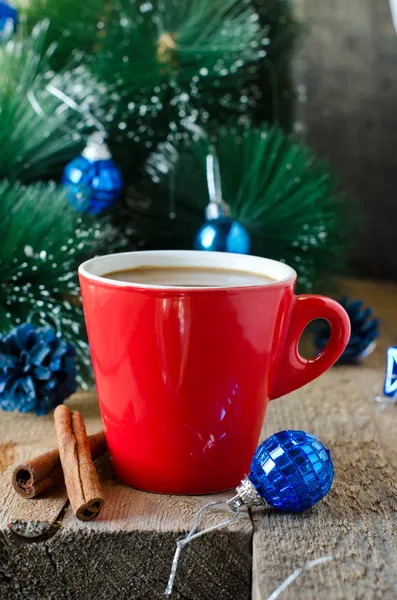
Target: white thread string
pixel 67 101
pixel 393 10
pixel 306 567
pixel 213 178
pixel 384 402
pixel 72 104
pixel 192 535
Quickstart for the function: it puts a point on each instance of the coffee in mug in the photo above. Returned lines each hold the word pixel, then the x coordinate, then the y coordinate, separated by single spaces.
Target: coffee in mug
pixel 188 277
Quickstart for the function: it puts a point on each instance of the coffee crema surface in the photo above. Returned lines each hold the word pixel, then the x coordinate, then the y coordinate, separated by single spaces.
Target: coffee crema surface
pixel 189 277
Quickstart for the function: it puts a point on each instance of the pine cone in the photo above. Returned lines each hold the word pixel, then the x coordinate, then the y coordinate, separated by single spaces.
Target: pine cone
pixel 364 331
pixel 37 369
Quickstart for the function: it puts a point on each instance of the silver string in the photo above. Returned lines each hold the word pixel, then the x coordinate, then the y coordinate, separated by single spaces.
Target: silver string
pixel 309 565
pixel 213 178
pixel 67 101
pixel 72 104
pixel 192 535
pixel 393 10
pixel 172 202
pixel 385 401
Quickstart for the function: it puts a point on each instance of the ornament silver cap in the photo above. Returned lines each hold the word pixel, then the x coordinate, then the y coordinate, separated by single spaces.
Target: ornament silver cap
pixel 246 495
pixel 96 148
pixel 215 210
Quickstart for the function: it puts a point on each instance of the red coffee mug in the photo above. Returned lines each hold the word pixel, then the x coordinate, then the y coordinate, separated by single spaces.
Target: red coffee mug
pixel 184 375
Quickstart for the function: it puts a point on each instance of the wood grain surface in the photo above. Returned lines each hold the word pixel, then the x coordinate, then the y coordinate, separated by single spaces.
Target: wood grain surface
pixel 45 553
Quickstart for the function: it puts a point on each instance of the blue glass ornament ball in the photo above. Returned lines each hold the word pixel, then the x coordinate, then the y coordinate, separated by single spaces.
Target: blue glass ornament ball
pixel 93 186
pixel 8 20
pixel 223 235
pixel 292 470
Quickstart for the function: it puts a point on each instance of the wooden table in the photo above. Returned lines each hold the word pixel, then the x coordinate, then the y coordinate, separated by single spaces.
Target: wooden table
pixel 45 553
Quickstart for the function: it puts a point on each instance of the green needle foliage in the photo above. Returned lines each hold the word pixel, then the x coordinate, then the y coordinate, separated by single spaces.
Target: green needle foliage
pixel 288 199
pixel 43 240
pixel 163 62
pixel 147 43
pixel 36 128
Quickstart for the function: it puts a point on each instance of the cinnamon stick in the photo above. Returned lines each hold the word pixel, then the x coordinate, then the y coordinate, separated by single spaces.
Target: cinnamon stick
pixel 81 479
pixel 39 475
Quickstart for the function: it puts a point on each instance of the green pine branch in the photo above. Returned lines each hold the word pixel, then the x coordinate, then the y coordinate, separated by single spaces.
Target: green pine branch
pixel 36 127
pixel 147 43
pixel 289 200
pixel 43 240
pixel 163 62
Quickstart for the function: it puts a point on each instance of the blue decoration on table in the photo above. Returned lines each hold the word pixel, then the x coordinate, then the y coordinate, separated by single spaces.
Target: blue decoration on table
pixel 8 20
pixel 37 369
pixel 223 235
pixel 390 385
pixel 292 471
pixel 93 180
pixel 364 332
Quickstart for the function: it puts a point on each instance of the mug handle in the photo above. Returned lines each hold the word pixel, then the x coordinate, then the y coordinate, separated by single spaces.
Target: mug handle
pixel 294 371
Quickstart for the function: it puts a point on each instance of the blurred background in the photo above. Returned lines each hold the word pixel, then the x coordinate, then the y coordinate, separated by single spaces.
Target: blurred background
pixel 348 95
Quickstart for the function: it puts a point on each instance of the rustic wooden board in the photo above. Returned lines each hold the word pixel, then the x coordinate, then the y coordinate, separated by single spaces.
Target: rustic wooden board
pixel 45 553
pixel 357 523
pixel 126 553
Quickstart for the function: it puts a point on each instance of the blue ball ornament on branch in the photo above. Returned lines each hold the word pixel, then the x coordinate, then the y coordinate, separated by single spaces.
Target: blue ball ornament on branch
pixel 288 200
pixel 220 232
pixel 37 369
pixel 93 180
pixel 8 20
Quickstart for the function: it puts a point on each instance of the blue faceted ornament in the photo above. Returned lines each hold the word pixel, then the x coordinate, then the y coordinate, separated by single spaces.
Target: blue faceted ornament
pixel 292 471
pixel 223 234
pixel 8 20
pixel 93 180
pixel 37 369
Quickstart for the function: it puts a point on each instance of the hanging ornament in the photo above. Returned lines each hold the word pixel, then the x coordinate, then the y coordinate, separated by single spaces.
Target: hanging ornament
pixel 93 180
pixel 220 232
pixel 364 331
pixel 290 471
pixel 8 20
pixel 390 384
pixel 37 369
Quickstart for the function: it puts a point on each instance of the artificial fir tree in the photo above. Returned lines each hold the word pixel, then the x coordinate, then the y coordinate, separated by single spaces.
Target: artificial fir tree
pixel 168 61
pixel 287 199
pixel 42 239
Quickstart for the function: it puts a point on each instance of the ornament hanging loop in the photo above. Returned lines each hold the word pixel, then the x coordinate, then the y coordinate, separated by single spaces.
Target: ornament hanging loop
pixel 193 534
pixel 67 101
pixel 217 207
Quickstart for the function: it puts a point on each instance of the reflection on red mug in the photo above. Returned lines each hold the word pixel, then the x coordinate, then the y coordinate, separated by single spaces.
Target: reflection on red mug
pixel 184 375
